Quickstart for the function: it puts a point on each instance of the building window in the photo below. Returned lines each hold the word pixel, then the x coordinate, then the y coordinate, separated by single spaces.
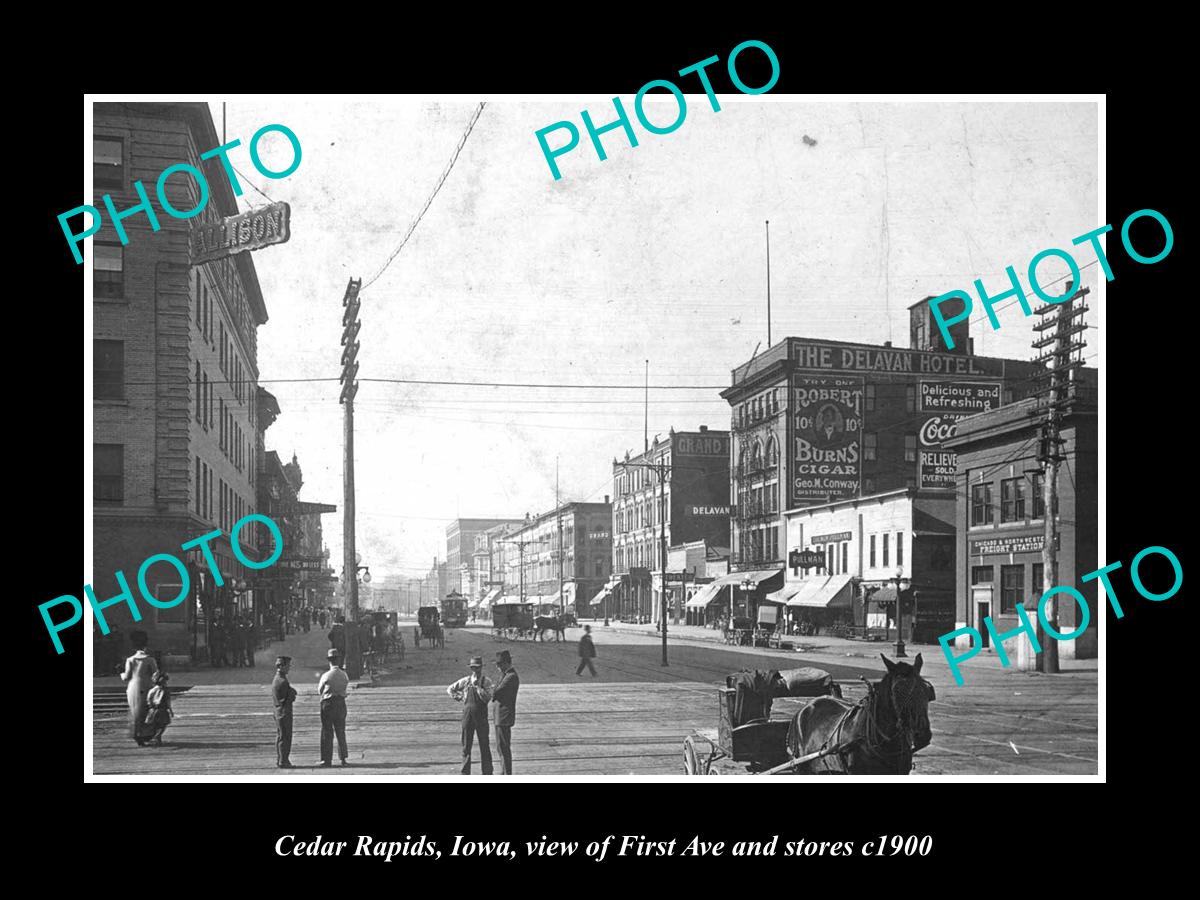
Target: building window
pixel 199 394
pixel 831 560
pixel 845 557
pixel 982 574
pixel 910 448
pixel 1039 497
pixel 870 398
pixel 870 444
pixel 885 551
pixel 872 557
pixel 899 548
pixel 108 370
pixel 1012 587
pixel 981 504
pixel 108 472
pixel 1012 500
pixel 910 398
pixel 869 485
pixel 1039 579
pixel 108 162
pixel 108 279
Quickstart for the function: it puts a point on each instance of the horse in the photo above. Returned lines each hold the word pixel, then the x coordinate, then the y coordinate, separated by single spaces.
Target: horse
pixel 876 736
pixel 544 623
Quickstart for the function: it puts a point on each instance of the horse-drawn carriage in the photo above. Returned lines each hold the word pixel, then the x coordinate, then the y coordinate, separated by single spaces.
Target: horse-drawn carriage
pixel 828 735
pixel 429 626
pixel 512 619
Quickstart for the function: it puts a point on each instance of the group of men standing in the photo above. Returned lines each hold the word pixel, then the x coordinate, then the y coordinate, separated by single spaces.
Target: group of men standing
pixel 475 692
pixel 233 642
pixel 332 689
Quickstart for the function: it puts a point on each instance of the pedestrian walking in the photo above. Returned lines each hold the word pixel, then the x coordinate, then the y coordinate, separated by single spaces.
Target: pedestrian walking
pixel 505 697
pixel 587 652
pixel 337 636
pixel 158 709
pixel 284 695
pixel 138 675
pixel 332 688
pixel 216 649
pixel 321 618
pixel 474 692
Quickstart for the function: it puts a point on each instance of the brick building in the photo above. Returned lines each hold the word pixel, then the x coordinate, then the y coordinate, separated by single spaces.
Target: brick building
pixel 1001 516
pixel 585 555
pixel 817 422
pixel 460 553
pixel 175 372
pixel 696 502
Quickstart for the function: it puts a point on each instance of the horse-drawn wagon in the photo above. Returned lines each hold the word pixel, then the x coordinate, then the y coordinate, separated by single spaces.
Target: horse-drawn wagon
pixel 429 625
pixel 828 735
pixel 512 619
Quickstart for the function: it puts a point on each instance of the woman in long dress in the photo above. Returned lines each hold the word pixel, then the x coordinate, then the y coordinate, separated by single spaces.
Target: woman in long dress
pixel 139 675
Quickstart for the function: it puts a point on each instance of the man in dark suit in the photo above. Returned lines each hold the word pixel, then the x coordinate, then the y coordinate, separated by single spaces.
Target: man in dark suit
pixel 284 695
pixel 505 697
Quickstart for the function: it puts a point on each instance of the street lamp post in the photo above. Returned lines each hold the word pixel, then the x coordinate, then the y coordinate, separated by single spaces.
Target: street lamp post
pixel 902 586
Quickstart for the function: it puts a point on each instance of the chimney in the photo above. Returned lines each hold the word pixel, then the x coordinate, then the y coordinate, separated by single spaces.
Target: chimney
pixel 606 498
pixel 704 428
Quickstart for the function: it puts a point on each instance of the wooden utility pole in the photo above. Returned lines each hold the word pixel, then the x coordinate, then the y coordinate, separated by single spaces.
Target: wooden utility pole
pixel 1058 398
pixel 768 283
pixel 350 328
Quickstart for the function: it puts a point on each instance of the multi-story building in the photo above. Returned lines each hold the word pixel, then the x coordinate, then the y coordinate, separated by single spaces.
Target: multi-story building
pixel 817 422
pixel 175 373
pixel 460 551
pixel 1001 517
pixel 489 563
pixel 571 544
pixel 693 506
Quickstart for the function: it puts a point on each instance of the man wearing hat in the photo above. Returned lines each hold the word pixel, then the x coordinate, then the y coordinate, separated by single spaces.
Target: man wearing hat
pixel 474 692
pixel 284 694
pixel 332 688
pixel 505 696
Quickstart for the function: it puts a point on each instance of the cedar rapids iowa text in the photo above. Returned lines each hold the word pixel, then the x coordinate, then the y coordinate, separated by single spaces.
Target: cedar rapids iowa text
pixel 630 845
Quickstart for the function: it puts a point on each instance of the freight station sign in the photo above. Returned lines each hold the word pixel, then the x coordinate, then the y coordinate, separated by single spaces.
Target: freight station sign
pixel 249 231
pixel 1028 543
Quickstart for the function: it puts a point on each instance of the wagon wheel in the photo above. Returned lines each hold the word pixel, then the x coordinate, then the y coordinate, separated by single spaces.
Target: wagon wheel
pixel 693 762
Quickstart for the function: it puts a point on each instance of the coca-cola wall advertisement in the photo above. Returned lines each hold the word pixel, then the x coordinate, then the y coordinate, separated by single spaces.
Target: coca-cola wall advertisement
pixel 827 423
pixel 936 468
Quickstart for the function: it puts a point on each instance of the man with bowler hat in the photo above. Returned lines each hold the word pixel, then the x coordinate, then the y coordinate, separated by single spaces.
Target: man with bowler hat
pixel 505 696
pixel 284 694
pixel 332 688
pixel 474 692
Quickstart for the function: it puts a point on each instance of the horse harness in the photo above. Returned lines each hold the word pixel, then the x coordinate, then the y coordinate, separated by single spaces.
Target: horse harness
pixel 875 738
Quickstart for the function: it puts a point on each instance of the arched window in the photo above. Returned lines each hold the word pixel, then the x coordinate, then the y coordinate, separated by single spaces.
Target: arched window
pixel 772 452
pixel 756 456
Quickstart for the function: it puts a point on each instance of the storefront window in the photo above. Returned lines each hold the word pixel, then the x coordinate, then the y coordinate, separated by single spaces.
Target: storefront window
pixel 982 574
pixel 1012 587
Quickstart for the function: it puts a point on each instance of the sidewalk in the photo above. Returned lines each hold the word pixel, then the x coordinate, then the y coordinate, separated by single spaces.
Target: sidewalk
pixel 824 645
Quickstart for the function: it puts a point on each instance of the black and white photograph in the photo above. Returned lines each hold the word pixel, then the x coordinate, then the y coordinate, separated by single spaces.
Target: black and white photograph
pixel 706 431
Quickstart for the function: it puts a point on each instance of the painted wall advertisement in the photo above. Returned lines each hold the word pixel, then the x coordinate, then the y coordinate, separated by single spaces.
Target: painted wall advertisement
pixel 937 468
pixel 827 431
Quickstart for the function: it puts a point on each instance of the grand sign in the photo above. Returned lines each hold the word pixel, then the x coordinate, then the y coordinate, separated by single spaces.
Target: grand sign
pixel 249 231
pixel 827 438
pixel 702 445
pixel 953 400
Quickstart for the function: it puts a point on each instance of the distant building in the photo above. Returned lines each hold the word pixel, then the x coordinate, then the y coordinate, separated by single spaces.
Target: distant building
pixel 535 554
pixel 695 499
pixel 1001 516
pixel 460 550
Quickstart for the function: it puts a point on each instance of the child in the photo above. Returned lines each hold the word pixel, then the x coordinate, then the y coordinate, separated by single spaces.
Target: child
pixel 159 713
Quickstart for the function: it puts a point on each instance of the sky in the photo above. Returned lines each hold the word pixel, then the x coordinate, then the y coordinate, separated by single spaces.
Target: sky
pixel 657 253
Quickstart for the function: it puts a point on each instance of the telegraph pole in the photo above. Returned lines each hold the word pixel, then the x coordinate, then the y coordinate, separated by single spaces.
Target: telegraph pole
pixel 350 328
pixel 1058 398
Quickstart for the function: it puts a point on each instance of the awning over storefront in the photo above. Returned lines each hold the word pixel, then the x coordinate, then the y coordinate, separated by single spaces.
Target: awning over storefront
pixel 886 594
pixel 568 595
pixel 604 594
pixel 786 593
pixel 490 597
pixel 823 592
pixel 703 597
pixel 737 578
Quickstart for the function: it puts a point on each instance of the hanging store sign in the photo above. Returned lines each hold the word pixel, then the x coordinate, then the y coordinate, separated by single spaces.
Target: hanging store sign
pixel 827 438
pixel 303 563
pixel 806 559
pixel 249 231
